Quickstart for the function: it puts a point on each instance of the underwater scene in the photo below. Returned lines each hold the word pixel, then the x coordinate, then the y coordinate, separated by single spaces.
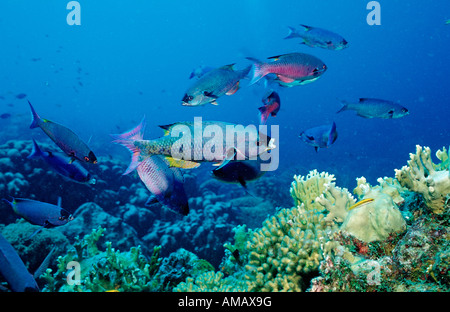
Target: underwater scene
pixel 224 146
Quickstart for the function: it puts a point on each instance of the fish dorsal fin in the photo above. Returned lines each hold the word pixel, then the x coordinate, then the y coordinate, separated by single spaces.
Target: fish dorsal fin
pixel 307 28
pixel 362 100
pixel 59 201
pixel 44 265
pixel 167 128
pixel 228 67
pixel 275 58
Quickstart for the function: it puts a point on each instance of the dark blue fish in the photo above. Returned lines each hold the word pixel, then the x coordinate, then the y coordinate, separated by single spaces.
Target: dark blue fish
pixel 14 270
pixel 5 116
pixel 239 171
pixel 65 138
pixel 21 96
pixel 63 165
pixel 40 213
pixel 164 182
pixel 271 106
pixel 321 136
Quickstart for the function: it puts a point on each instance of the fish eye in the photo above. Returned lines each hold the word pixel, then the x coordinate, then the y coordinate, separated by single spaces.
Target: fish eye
pixel 404 110
pixel 187 98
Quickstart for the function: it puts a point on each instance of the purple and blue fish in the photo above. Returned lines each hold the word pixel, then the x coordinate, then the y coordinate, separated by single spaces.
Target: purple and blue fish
pixel 271 106
pixel 63 165
pixel 320 137
pixel 39 213
pixel 65 138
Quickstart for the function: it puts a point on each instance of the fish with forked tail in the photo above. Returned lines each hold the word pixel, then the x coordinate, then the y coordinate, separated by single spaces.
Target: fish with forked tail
pixel 291 69
pixel 320 137
pixel 65 138
pixel 318 37
pixel 375 108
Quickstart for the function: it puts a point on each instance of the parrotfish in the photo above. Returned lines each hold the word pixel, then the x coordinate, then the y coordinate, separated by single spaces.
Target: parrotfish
pixel 214 84
pixel 318 37
pixel 291 69
pixel 320 137
pixel 186 144
pixel 63 165
pixel 375 108
pixel 65 138
pixel 14 270
pixel 271 106
pixel 164 182
pixel 239 171
pixel 39 213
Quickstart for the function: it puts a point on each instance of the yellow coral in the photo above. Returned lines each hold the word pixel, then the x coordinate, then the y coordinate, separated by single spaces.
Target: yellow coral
pixel 287 246
pixel 304 190
pixel 422 177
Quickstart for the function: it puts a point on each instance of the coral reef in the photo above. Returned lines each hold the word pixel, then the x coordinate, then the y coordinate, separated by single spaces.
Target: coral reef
pixel 421 175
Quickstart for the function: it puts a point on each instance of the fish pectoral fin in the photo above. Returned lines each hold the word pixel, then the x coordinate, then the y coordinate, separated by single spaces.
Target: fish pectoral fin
pixel 233 90
pixel 214 103
pixel 210 94
pixel 242 182
pixel 285 79
pixel 180 163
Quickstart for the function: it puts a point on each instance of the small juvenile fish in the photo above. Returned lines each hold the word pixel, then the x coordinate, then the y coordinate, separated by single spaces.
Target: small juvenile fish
pixel 63 165
pixel 291 69
pixel 318 37
pixel 320 137
pixel 65 138
pixel 375 108
pixel 361 203
pixel 214 84
pixel 271 106
pixel 40 213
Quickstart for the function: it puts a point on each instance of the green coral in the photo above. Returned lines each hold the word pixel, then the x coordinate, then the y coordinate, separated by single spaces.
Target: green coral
pixel 108 270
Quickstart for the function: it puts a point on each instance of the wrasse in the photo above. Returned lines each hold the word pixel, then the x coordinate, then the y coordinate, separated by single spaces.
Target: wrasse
pixel 361 203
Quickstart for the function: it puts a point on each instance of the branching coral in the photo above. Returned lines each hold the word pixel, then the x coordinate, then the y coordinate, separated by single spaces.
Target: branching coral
pixel 109 270
pixel 426 178
pixel 304 190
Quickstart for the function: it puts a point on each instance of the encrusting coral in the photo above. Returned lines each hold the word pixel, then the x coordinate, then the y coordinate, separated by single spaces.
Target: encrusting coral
pixel 422 176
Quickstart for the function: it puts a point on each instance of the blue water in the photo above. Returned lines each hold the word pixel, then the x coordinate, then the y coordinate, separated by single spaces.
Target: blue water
pixel 129 59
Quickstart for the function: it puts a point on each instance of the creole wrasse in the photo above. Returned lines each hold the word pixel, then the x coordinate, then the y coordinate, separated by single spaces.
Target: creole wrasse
pixel 318 37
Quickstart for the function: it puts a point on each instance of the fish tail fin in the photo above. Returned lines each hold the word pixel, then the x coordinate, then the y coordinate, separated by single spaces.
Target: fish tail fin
pixel 258 70
pixel 35 119
pixel 332 135
pixel 292 33
pixel 344 106
pixel 35 151
pixel 127 139
pixel 264 114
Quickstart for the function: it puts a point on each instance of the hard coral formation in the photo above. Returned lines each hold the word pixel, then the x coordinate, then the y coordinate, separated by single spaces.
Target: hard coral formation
pixel 421 175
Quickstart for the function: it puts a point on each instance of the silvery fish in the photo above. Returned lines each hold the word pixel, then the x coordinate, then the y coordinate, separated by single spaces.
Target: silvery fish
pixel 63 165
pixel 375 108
pixel 65 138
pixel 214 84
pixel 164 182
pixel 318 37
pixel 291 69
pixel 187 144
pixel 320 137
